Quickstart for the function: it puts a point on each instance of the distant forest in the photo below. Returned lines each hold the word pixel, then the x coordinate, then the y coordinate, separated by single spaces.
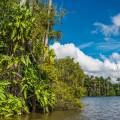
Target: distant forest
pixel 99 86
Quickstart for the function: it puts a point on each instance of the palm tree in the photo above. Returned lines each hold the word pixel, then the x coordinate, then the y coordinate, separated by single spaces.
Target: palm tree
pixel 118 79
pixel 108 84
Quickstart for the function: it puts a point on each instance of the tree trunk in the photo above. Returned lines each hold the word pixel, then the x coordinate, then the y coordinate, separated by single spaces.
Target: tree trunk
pixel 23 2
pixel 48 25
pixel 29 2
pixel 33 104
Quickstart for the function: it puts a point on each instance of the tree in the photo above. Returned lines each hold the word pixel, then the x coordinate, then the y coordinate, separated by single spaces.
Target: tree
pixel 118 79
pixel 48 25
pixel 30 4
pixel 70 77
pixel 99 86
pixel 20 64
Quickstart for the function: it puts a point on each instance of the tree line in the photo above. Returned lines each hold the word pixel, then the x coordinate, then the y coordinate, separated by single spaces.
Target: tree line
pixel 99 86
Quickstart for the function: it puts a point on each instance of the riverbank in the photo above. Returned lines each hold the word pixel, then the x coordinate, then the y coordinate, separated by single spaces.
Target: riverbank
pixel 96 108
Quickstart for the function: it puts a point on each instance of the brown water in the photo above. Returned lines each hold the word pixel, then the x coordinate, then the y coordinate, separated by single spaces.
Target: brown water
pixel 96 108
pixel 58 115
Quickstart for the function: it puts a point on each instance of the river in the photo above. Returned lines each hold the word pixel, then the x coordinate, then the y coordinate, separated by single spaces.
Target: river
pixel 96 108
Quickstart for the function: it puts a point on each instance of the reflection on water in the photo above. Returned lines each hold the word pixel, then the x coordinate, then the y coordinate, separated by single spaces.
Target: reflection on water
pixel 58 115
pixel 96 108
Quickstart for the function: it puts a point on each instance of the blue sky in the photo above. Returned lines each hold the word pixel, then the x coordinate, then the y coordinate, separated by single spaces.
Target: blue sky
pixel 78 25
pixel 91 35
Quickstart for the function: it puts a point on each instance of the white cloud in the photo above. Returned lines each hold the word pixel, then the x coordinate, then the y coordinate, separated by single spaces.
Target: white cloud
pixel 115 57
pixel 109 30
pixel 90 65
pixel 86 45
pixel 116 20
pixel 108 46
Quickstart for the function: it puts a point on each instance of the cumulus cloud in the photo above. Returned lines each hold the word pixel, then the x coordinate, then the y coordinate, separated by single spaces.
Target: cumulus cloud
pixel 109 30
pixel 91 66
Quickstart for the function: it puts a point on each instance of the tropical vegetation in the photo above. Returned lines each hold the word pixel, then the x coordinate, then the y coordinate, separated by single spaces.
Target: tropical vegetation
pixel 31 80
pixel 99 86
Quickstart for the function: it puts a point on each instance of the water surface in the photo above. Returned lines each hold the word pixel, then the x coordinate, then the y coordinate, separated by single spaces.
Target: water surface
pixel 96 108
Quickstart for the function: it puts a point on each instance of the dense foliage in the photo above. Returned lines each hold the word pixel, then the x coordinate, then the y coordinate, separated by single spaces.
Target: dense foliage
pixel 71 82
pixel 99 86
pixel 30 79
